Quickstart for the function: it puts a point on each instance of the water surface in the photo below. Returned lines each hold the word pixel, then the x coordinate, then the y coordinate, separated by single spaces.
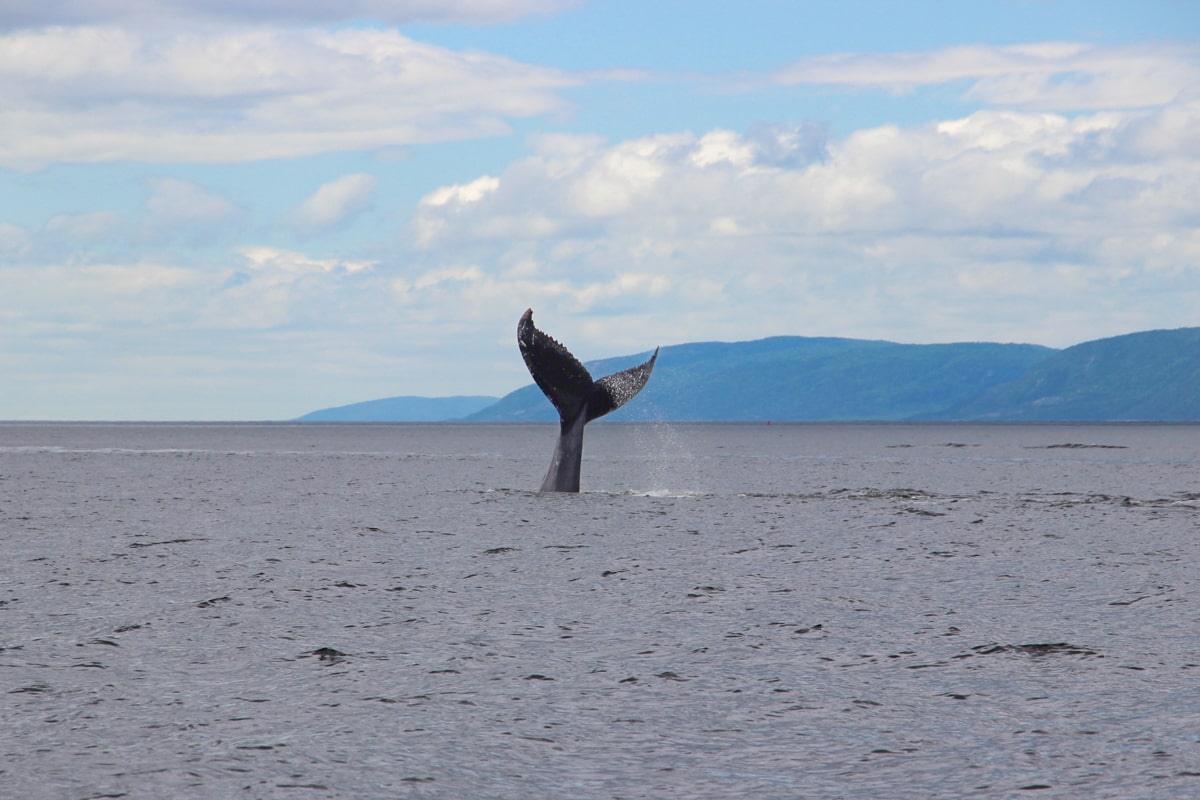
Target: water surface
pixel 783 611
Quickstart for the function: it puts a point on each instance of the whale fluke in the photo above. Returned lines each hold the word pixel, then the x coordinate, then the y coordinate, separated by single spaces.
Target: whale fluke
pixel 577 398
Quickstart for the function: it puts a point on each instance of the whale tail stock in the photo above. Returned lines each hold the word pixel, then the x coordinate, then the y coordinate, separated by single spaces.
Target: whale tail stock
pixel 576 396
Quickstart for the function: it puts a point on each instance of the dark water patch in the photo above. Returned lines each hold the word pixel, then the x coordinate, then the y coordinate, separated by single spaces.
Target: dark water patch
pixel 165 541
pixel 869 493
pixel 1161 591
pixel 1068 499
pixel 1034 650
pixel 1078 446
pixel 846 493
pixel 328 655
pixel 1185 501
pixel 924 512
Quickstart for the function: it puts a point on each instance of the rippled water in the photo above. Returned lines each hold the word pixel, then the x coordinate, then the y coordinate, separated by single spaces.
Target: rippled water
pixel 785 611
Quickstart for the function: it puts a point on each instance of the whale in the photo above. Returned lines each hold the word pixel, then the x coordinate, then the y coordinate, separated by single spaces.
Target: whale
pixel 575 395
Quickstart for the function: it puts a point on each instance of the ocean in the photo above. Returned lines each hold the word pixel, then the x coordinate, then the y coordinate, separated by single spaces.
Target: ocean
pixel 725 611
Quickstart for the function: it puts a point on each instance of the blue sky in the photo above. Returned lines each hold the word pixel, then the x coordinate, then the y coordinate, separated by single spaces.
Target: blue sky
pixel 250 210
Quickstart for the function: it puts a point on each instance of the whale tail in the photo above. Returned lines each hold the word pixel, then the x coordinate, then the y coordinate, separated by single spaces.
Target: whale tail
pixel 576 396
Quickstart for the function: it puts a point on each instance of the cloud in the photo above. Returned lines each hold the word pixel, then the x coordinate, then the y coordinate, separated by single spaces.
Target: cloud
pixel 276 262
pixel 92 226
pixel 396 12
pixel 1023 225
pixel 180 210
pixel 95 94
pixel 276 288
pixel 335 203
pixel 62 306
pixel 73 310
pixel 461 194
pixel 14 240
pixel 175 200
pixel 1046 75
pixel 249 333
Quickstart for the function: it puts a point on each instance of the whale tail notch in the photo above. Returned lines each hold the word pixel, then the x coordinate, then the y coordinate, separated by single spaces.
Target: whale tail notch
pixel 575 395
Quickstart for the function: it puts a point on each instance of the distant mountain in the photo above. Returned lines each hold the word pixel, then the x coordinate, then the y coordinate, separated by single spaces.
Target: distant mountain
pixel 402 409
pixel 799 378
pixel 1154 375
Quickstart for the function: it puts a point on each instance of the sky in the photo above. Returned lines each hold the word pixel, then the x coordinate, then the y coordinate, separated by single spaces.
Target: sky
pixel 252 209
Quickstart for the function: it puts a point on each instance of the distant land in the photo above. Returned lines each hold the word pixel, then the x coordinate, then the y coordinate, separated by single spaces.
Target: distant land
pixel 1154 375
pixel 1150 376
pixel 403 409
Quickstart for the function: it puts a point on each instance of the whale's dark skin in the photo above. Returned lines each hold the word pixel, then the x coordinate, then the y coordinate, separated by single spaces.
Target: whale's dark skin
pixel 577 397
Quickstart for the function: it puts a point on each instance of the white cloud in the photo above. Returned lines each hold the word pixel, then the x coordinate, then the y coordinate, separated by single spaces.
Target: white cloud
pixel 67 12
pixel 105 94
pixel 461 194
pixel 274 261
pixel 179 209
pixel 1045 75
pixel 722 146
pixel 59 303
pixel 262 287
pixel 336 202
pixel 430 279
pixel 175 200
pixel 247 336
pixel 14 240
pixel 450 198
pixel 732 239
pixel 90 226
pixel 276 288
pixel 619 175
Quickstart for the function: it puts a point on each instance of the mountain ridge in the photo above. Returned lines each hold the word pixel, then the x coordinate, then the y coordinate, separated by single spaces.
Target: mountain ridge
pixel 1148 375
pixel 404 408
